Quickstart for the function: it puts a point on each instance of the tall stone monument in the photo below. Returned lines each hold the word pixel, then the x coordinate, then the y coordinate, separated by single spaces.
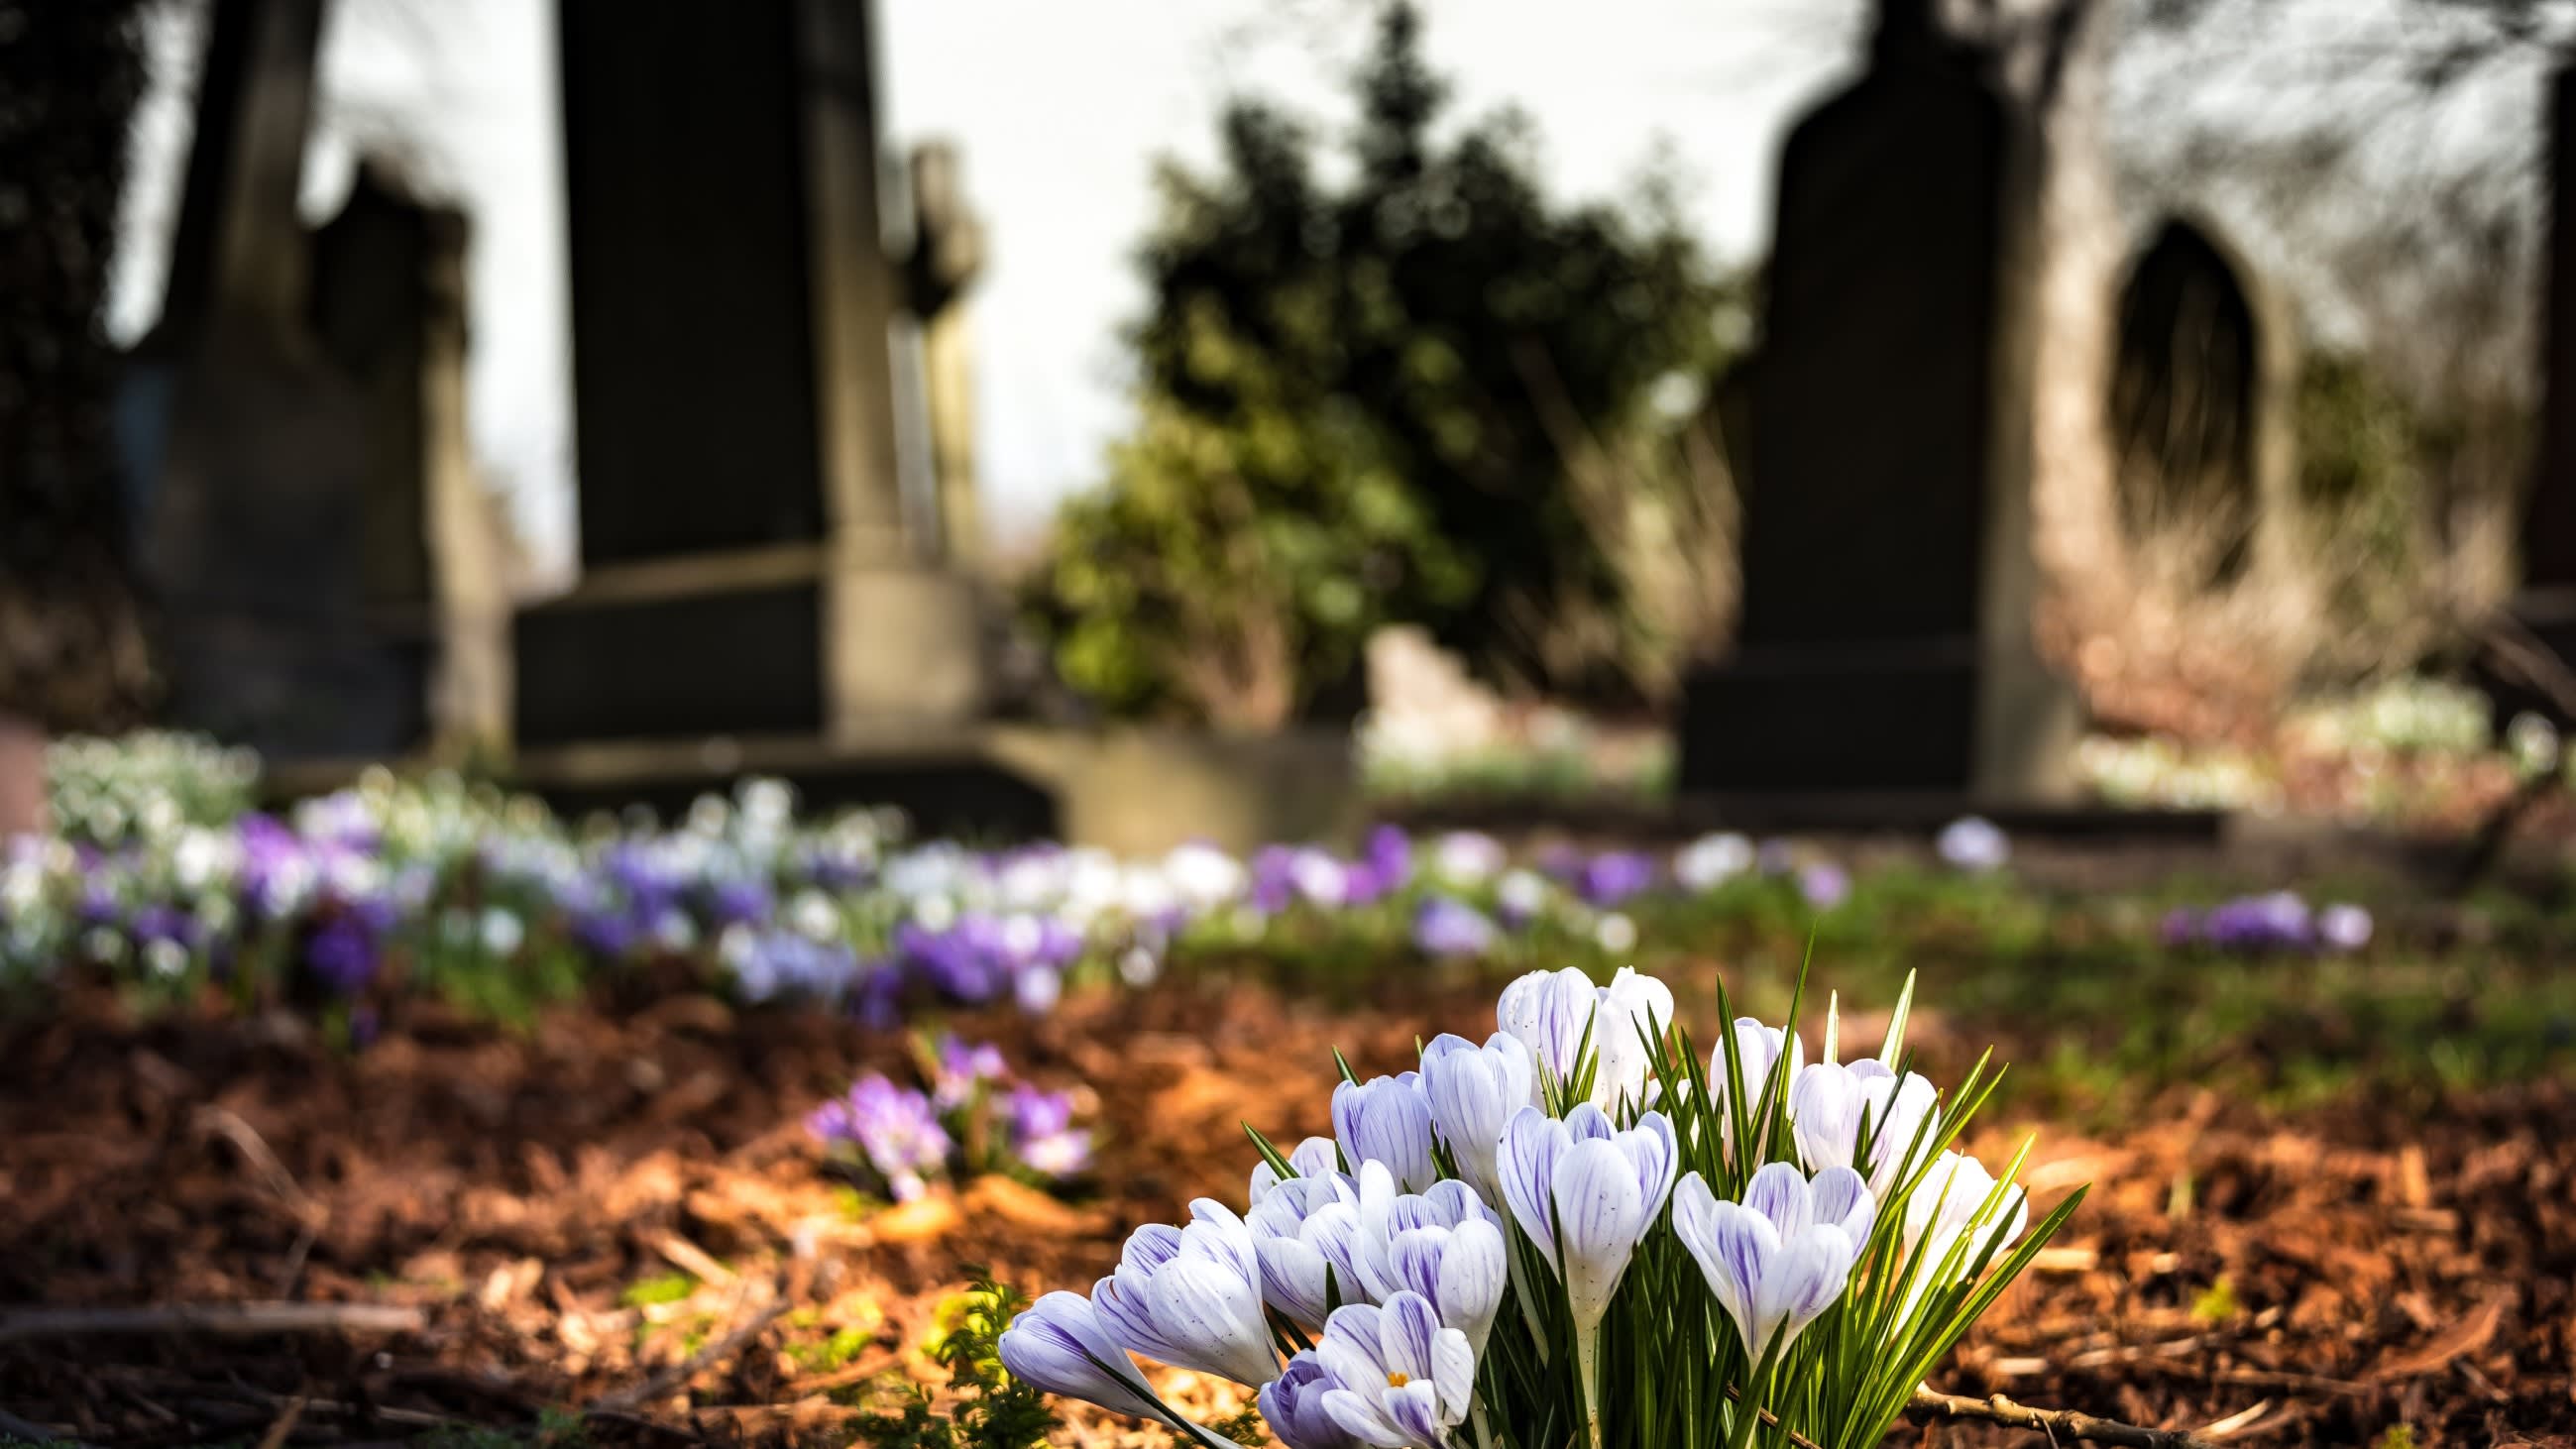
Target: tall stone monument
pixel 1886 639
pixel 2545 601
pixel 247 442
pixel 389 307
pixel 748 568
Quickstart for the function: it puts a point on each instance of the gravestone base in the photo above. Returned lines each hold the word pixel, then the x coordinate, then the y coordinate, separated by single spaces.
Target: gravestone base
pixel 1864 723
pixel 1136 792
pixel 759 642
pixel 250 538
pixel 906 643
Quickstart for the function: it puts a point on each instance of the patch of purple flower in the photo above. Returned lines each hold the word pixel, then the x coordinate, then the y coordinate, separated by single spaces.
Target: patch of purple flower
pixel 890 1130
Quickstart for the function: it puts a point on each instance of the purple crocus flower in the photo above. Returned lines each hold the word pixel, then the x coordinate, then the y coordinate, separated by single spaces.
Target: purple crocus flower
pixel 1385 866
pixel 736 902
pixel 2278 921
pixel 1610 878
pixel 1825 885
pixel 1443 926
pixel 343 952
pixel 892 1129
pixel 1973 843
pixel 963 1069
pixel 1274 883
pixel 1042 1133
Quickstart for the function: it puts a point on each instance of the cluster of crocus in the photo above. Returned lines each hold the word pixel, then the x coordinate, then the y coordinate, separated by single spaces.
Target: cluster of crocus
pixel 978 1116
pixel 2275 923
pixel 1578 1231
pixel 431 884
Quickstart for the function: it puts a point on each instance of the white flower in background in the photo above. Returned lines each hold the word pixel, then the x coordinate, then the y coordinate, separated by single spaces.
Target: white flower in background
pixel 1550 1013
pixel 1711 861
pixel 1191 1297
pixel 1974 843
pixel 1144 893
pixel 1387 1120
pixel 2344 927
pixel 1399 1376
pixel 1615 934
pixel 1204 876
pixel 1829 1104
pixel 1473 1092
pixel 1318 877
pixel 1467 858
pixel 1138 966
pixel 1780 1258
pixel 811 913
pixel 1521 892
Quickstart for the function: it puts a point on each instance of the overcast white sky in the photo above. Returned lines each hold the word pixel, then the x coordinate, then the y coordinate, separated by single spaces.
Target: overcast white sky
pixel 1061 110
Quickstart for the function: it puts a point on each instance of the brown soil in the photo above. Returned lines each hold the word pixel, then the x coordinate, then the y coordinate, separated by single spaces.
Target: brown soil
pixel 2321 1278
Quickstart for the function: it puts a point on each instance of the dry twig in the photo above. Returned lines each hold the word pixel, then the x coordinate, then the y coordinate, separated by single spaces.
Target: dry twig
pixel 229 1320
pixel 2057 1424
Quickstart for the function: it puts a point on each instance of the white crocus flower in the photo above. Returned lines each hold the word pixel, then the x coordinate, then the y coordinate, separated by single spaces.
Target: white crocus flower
pixel 1551 1012
pixel 1191 1297
pixel 1830 1105
pixel 1387 1120
pixel 1060 1344
pixel 1400 1377
pixel 1473 1092
pixel 1584 1194
pixel 1780 1258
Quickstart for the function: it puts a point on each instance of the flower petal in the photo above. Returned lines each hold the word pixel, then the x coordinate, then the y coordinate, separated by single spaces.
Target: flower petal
pixel 1600 1213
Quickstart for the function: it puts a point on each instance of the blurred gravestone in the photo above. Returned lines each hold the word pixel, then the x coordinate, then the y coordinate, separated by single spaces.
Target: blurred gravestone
pixel 747 566
pixel 2545 602
pixel 2202 391
pixel 248 444
pixel 389 305
pixel 1885 644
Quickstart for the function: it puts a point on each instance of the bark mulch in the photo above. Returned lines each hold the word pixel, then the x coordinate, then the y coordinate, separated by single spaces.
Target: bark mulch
pixel 620 1213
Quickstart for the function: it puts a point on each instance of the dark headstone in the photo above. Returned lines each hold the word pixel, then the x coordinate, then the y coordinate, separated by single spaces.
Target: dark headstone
pixel 389 308
pixel 1887 572
pixel 251 441
pixel 733 395
pixel 2545 602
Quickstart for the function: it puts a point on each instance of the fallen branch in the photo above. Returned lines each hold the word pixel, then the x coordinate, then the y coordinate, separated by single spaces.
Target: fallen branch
pixel 2057 1424
pixel 226 1320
